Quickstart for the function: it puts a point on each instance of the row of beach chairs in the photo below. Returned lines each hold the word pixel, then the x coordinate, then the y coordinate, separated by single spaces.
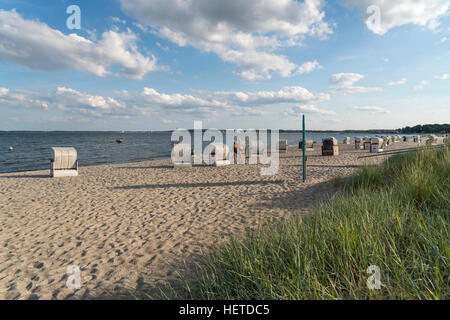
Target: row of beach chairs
pixel 219 154
pixel 330 146
pixel 65 161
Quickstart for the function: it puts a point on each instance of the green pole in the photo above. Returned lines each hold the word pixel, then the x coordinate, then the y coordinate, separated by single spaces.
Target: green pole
pixel 304 150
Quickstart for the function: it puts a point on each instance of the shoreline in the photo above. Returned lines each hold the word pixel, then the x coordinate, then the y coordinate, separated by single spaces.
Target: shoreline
pixel 105 151
pixel 92 165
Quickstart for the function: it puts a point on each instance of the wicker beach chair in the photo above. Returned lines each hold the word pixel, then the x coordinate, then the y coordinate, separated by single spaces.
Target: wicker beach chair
pixel 330 147
pixel 181 155
pixel 282 146
pixel 376 145
pixel 64 162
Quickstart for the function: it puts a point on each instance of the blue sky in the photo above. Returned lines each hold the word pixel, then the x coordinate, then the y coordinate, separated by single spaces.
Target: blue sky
pixel 160 65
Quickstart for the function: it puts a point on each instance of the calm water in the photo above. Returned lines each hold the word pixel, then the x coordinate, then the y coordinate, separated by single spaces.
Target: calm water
pixel 32 150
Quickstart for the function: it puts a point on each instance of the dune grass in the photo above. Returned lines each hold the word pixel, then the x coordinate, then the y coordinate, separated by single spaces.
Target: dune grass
pixel 395 216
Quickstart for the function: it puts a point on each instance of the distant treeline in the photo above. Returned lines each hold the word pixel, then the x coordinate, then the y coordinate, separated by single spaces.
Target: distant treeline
pixel 427 128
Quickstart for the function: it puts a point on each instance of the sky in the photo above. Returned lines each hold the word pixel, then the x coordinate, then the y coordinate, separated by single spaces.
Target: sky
pixel 162 64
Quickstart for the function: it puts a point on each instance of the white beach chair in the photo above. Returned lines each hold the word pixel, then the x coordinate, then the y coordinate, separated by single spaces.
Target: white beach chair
pixel 330 147
pixel 376 145
pixel 218 155
pixel 346 140
pixel 358 143
pixel 309 145
pixel 432 139
pixel 366 143
pixel 388 140
pixel 385 144
pixel 181 155
pixel 64 162
pixel 282 146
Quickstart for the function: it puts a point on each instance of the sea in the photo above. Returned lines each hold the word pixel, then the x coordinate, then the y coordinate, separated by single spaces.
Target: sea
pixel 32 149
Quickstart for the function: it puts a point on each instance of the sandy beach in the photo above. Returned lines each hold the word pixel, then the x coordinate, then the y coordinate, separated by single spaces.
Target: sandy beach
pixel 130 226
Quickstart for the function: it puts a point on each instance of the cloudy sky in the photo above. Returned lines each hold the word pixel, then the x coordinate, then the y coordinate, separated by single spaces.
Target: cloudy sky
pixel 161 64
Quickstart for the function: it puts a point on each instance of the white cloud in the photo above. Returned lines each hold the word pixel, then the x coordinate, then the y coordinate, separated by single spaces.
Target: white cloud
pixel 443 77
pixel 398 83
pixel 3 91
pixel 67 100
pixel 401 12
pixel 88 100
pixel 308 67
pixel 445 39
pixel 19 98
pixel 118 20
pixel 421 86
pixel 314 109
pixel 152 99
pixel 261 98
pixel 38 46
pixel 245 33
pixel 372 109
pixel 250 112
pixel 164 48
pixel 308 109
pixel 151 102
pixel 344 83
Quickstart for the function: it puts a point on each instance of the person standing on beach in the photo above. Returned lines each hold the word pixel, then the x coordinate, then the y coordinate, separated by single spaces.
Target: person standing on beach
pixel 239 148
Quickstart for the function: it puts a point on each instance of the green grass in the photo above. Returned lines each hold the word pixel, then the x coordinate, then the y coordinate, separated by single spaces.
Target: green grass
pixel 395 216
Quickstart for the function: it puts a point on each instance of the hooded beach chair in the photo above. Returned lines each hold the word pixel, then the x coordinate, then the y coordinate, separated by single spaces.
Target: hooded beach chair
pixel 64 162
pixel 330 147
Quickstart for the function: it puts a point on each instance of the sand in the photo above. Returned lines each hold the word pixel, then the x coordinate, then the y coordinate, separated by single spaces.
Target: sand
pixel 130 227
